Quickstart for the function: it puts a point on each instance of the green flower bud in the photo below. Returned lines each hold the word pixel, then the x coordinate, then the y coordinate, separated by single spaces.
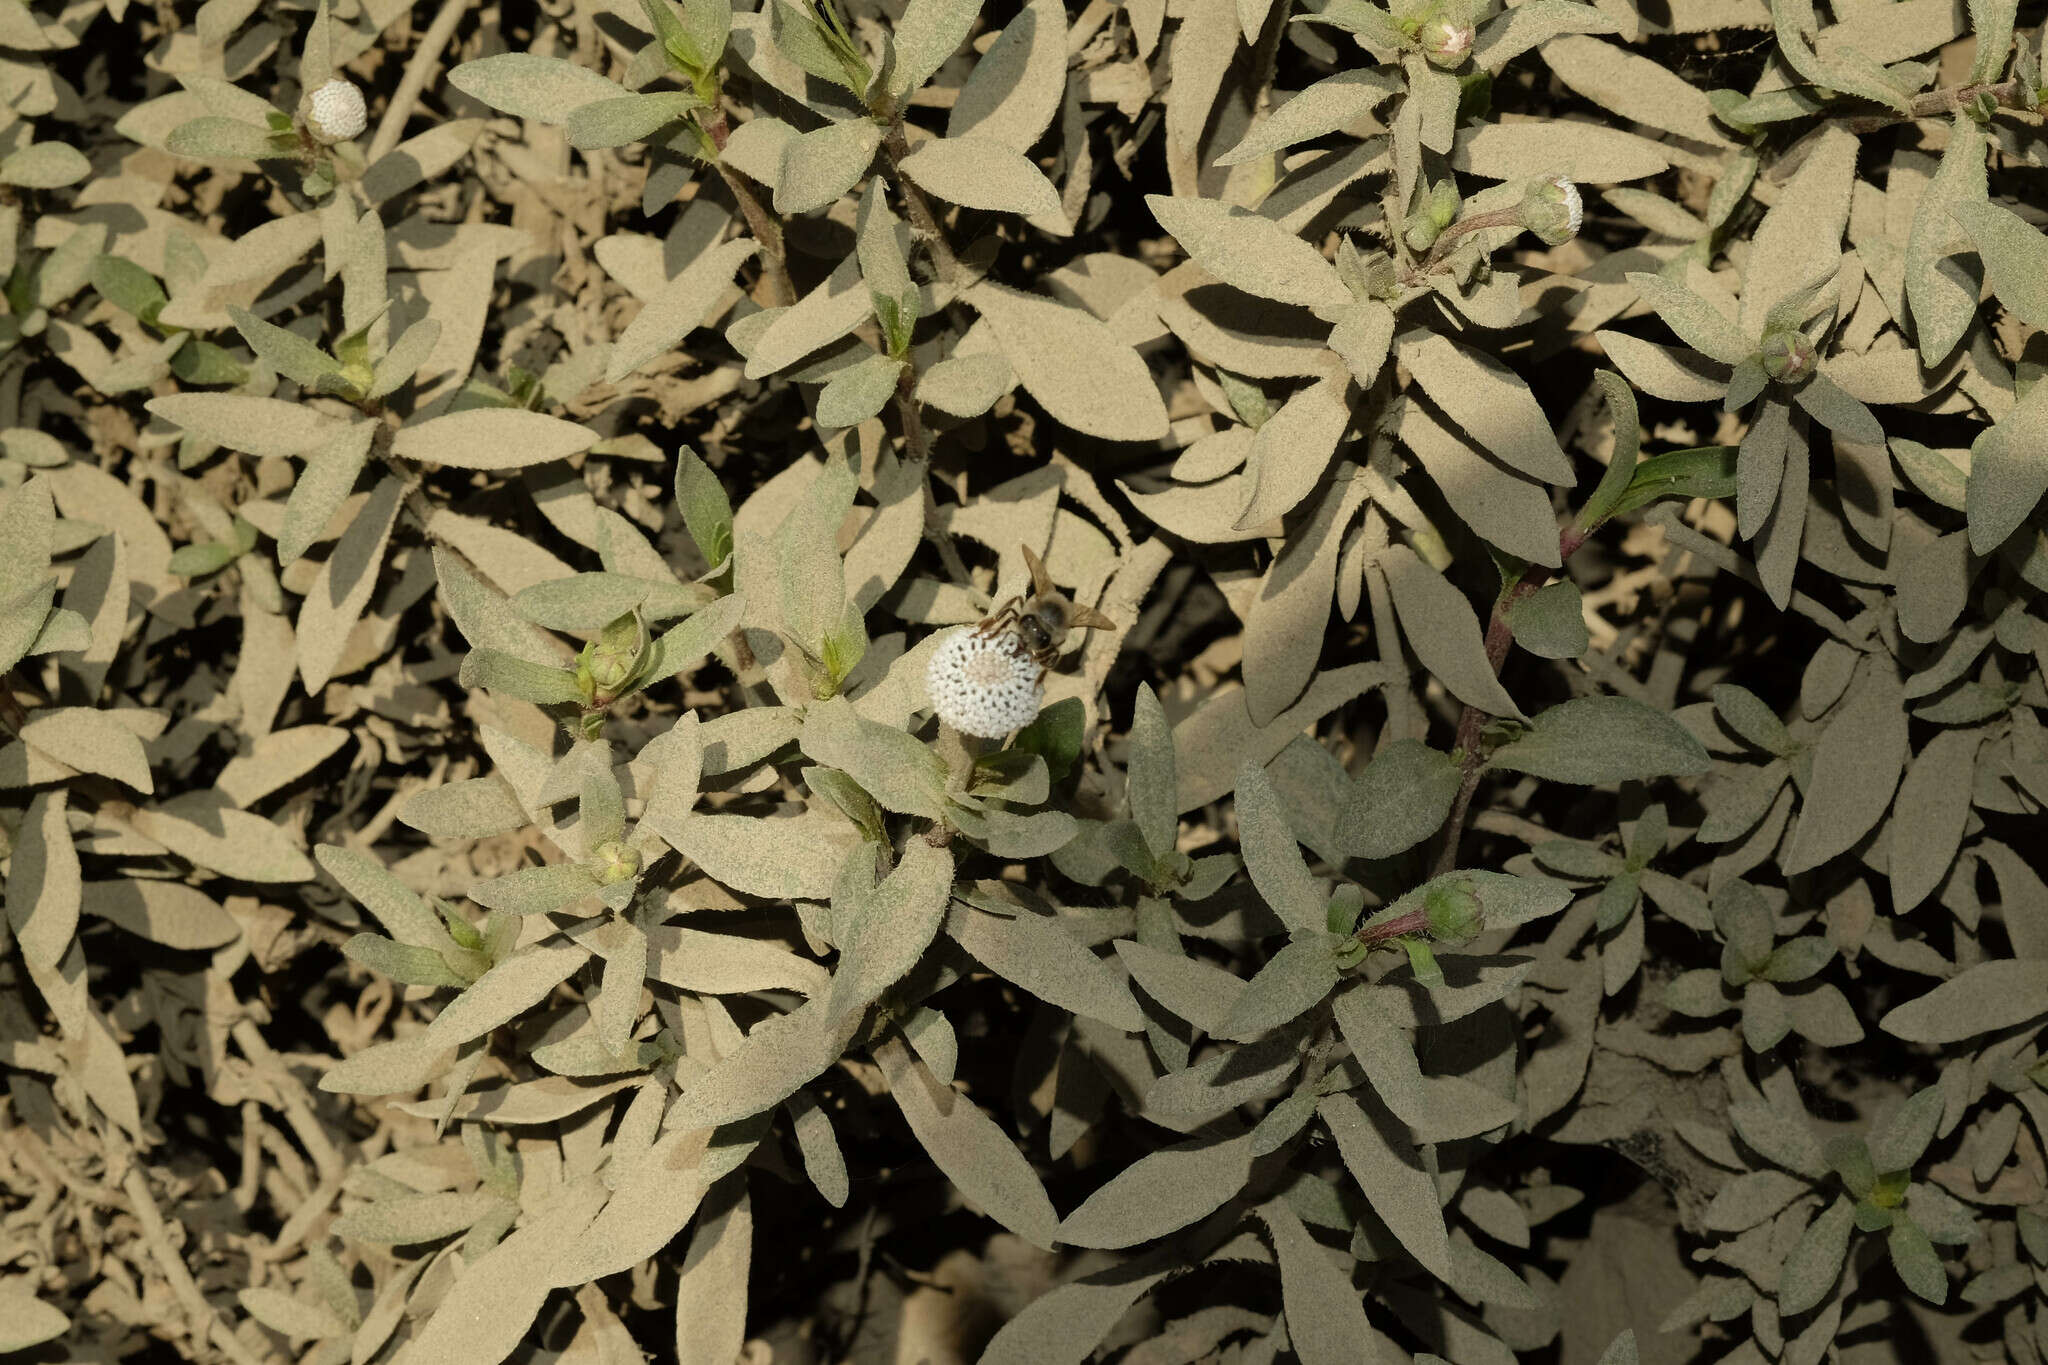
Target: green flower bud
pixel 1787 356
pixel 611 666
pixel 1443 203
pixel 1421 230
pixel 1553 210
pixel 614 861
pixel 1453 915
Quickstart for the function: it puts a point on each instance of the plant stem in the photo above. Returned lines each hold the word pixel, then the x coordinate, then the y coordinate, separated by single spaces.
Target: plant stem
pixel 895 146
pixel 917 442
pixel 760 223
pixel 2010 94
pixel 1449 237
pixel 1472 721
pixel 1401 926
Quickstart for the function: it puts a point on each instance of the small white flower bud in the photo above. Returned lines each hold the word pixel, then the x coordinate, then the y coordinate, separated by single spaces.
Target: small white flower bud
pixel 337 113
pixel 1446 43
pixel 983 685
pixel 1553 210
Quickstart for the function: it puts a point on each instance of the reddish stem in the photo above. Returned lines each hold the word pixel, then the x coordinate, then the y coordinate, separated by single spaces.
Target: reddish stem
pixel 1472 721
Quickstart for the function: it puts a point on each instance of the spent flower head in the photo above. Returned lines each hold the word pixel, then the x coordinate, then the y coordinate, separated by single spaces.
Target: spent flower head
pixel 983 685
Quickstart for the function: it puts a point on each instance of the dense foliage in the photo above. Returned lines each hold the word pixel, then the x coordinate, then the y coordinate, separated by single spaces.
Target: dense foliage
pixel 1495 813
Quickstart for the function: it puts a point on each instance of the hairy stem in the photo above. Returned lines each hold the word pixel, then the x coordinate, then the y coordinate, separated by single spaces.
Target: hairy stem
pixel 2011 94
pixel 895 146
pixel 1451 235
pixel 1401 926
pixel 760 222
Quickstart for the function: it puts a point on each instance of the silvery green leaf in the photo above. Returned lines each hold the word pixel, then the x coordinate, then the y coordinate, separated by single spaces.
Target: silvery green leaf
pixel 413 348
pixel 1250 252
pixel 2008 470
pixel 1913 1257
pixel 890 926
pixel 929 32
pixel 1593 741
pixel 290 354
pixel 1150 779
pixel 588 601
pixel 1160 1193
pixel 535 890
pixel 965 385
pixel 982 173
pixel 859 391
pixel 680 648
pixel 1043 956
pixel 1815 1261
pixel 976 1155
pixel 496 672
pixel 1015 89
pixel 1273 857
pixel 1331 104
pixel 778 1055
pixel 1077 368
pixel 1190 988
pixel 396 906
pixel 221 139
pixel 1697 322
pixel 1942 282
pixel 1989 996
pixel 820 166
pixel 1784 1139
pixel 403 963
pixel 678 308
pixel 475 808
pixel 1390 1173
pixel 1293 981
pixel 544 89
pixel 621 119
pixel 492 438
pixel 1443 630
pixel 1551 622
pixel 1856 767
pixel 1399 800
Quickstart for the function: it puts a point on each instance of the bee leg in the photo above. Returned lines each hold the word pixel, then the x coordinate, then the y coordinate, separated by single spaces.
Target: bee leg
pixel 1003 616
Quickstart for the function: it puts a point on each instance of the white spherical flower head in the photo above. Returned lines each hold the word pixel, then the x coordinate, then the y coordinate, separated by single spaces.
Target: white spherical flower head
pixel 337 112
pixel 983 685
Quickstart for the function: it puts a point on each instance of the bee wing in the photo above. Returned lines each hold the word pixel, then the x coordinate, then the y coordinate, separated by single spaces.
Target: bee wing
pixel 1041 581
pixel 1084 617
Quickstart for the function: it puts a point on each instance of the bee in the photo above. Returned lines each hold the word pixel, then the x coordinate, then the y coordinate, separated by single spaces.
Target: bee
pixel 1037 625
